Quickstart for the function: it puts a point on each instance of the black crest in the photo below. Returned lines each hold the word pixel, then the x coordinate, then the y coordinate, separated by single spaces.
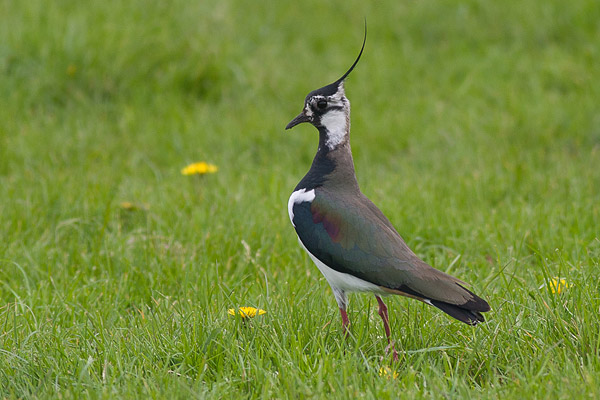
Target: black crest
pixel 357 58
pixel 332 88
pixel 325 91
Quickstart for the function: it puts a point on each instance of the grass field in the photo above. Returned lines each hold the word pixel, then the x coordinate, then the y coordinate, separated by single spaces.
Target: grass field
pixel 476 129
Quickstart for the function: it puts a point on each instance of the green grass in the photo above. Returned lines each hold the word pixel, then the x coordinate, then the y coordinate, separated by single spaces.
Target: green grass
pixel 476 129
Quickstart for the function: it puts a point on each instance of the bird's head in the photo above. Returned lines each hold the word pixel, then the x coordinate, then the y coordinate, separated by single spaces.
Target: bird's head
pixel 328 108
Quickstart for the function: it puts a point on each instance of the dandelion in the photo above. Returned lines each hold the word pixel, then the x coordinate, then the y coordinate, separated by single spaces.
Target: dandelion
pixel 199 168
pixel 557 285
pixel 247 312
pixel 388 373
pixel 71 70
pixel 129 206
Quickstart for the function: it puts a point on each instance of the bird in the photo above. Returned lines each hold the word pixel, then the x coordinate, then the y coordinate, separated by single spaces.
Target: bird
pixel 352 243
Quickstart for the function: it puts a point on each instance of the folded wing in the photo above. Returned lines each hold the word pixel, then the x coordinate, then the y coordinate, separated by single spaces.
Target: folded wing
pixel 351 235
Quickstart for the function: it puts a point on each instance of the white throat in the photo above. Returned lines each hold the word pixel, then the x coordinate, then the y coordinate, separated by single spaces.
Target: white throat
pixel 336 122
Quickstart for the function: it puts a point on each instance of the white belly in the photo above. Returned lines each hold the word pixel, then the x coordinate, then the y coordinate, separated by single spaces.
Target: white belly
pixel 342 281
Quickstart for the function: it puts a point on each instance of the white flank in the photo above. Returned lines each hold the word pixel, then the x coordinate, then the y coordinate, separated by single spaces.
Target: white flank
pixel 336 123
pixel 299 196
pixel 342 281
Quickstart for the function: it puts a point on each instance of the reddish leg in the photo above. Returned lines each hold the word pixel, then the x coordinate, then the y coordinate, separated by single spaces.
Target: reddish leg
pixel 383 313
pixel 345 321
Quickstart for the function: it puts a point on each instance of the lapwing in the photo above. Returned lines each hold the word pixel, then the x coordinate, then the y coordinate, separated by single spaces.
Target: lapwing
pixel 352 243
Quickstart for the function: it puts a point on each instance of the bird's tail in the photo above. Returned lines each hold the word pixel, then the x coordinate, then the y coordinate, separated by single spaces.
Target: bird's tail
pixel 469 312
pixel 466 307
pixel 471 317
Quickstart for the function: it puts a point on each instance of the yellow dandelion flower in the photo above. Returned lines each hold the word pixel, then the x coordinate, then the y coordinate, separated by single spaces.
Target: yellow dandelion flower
pixel 129 206
pixel 558 285
pixel 388 373
pixel 71 70
pixel 199 168
pixel 247 312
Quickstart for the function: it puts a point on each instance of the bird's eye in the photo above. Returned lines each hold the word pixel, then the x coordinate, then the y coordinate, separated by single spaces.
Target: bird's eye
pixel 322 104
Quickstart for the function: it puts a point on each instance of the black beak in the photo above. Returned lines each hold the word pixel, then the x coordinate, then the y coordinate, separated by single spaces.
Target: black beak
pixel 298 120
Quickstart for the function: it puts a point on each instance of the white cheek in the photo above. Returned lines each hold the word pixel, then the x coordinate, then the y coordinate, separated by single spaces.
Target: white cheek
pixel 337 127
pixel 308 111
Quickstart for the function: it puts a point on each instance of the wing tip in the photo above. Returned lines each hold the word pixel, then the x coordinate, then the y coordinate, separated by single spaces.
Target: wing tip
pixel 468 312
pixel 475 303
pixel 469 317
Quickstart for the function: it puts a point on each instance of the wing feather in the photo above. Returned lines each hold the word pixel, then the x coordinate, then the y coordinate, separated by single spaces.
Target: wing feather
pixel 351 235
